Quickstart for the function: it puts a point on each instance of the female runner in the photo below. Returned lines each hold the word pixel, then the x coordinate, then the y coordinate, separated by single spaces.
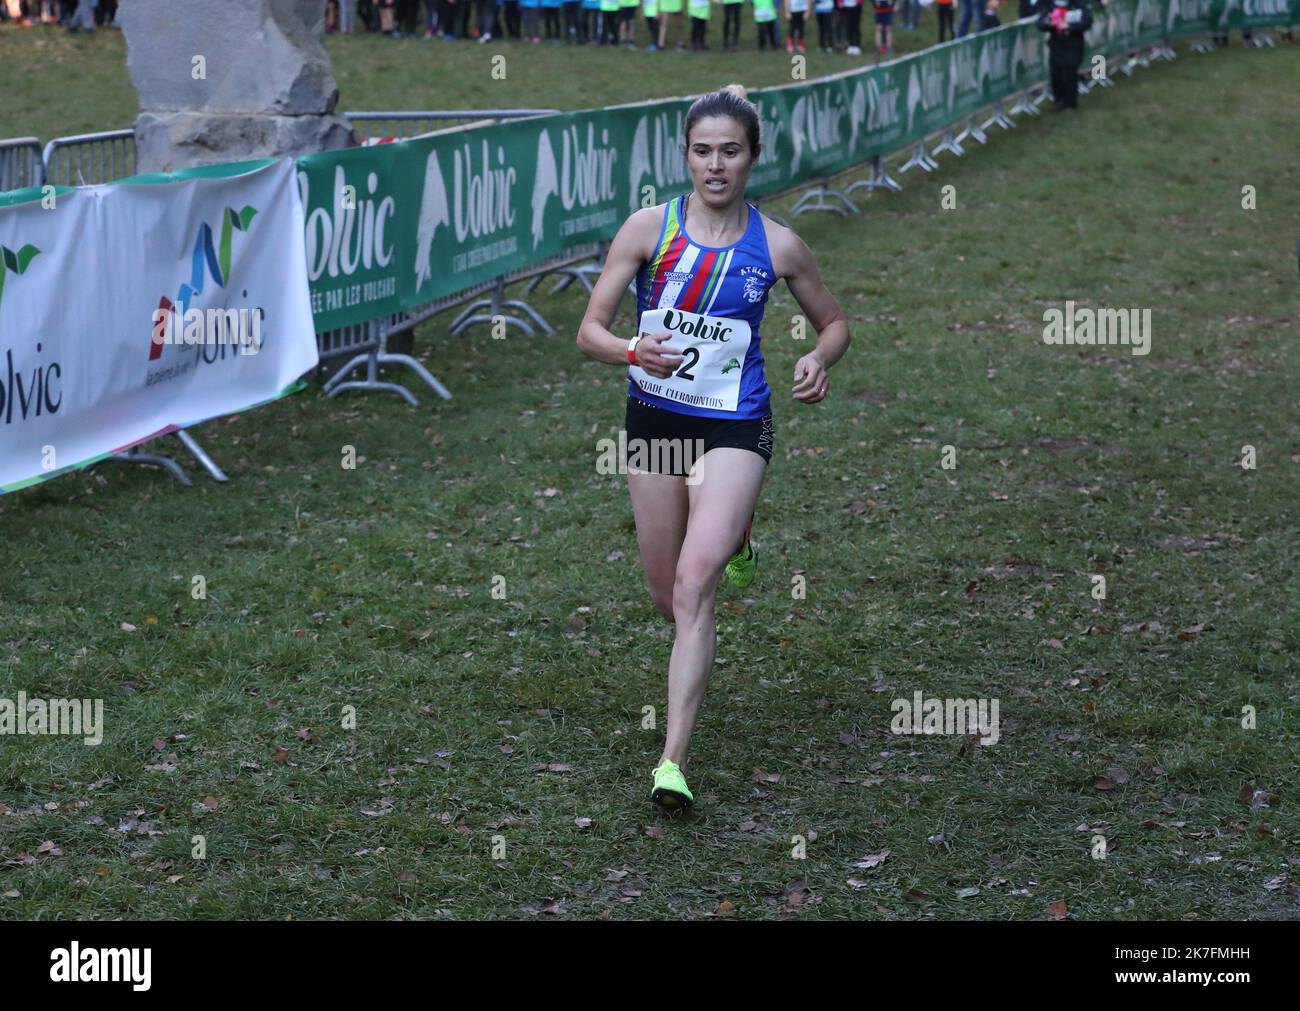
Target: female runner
pixel 695 377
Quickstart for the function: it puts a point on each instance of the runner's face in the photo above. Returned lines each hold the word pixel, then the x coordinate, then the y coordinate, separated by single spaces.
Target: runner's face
pixel 719 160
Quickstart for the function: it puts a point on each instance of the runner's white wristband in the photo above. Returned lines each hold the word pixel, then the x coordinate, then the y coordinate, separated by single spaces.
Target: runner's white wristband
pixel 631 350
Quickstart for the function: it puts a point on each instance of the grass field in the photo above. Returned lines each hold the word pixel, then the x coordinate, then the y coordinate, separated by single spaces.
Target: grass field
pixel 521 717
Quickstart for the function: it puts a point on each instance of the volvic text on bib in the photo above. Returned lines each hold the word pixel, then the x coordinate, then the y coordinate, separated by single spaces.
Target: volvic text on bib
pixel 713 352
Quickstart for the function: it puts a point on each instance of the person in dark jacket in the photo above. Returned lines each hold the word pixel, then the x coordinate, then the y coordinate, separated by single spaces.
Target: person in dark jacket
pixel 1066 20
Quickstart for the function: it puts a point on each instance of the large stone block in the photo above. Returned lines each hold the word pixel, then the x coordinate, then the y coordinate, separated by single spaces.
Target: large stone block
pixel 229 80
pixel 229 56
pixel 168 141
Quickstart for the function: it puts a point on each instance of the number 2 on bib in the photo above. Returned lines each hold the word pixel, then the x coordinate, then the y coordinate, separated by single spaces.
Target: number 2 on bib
pixel 713 350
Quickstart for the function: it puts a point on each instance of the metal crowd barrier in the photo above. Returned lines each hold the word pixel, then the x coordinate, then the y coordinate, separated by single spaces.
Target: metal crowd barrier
pixel 90 158
pixel 367 343
pixel 406 125
pixel 20 164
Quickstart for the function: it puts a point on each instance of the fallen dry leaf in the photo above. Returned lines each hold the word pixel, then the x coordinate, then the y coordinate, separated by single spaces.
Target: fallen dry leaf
pixel 1057 910
pixel 1255 797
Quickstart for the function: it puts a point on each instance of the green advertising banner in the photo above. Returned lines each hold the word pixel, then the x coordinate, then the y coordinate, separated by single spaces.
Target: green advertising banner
pixel 400 225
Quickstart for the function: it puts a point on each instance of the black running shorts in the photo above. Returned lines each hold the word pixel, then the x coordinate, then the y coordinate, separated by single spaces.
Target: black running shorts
pixel 668 441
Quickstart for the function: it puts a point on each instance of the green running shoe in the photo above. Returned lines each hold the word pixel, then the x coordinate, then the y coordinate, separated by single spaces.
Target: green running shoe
pixel 670 790
pixel 744 565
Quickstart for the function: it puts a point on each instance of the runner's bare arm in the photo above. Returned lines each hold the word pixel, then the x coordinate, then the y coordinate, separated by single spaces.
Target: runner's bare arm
pixel 626 254
pixel 799 268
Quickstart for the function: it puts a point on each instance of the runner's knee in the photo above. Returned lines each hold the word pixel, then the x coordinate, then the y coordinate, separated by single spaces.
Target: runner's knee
pixel 694 586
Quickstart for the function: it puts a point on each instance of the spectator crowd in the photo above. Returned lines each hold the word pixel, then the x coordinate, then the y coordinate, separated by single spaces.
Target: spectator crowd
pixel 75 15
pixel 776 23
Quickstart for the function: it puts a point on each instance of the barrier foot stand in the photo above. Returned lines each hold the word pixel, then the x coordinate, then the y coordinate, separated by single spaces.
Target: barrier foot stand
pixel 1143 60
pixel 148 460
pixel 1024 104
pixel 973 131
pixel 1104 81
pixel 919 159
pixel 1202 45
pixel 1264 38
pixel 467 319
pixel 385 358
pixel 999 118
pixel 571 273
pixel 815 200
pixel 495 305
pixel 372 380
pixel 197 451
pixel 878 180
pixel 948 143
pixel 499 303
pixel 1085 85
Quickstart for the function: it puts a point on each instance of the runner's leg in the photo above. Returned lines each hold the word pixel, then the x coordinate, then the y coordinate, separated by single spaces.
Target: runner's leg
pixel 659 504
pixel 721 504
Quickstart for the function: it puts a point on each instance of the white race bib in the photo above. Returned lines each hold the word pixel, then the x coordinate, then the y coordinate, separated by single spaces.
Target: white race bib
pixel 713 352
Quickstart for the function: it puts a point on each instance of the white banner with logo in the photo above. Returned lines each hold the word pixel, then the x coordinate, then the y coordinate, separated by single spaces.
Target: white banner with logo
pixel 131 310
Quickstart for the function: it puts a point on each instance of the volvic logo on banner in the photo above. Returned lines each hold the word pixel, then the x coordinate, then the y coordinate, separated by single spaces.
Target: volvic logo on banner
pixel 857 117
pixel 584 180
pixel 25 394
pixel 178 322
pixel 351 235
pixel 774 131
pixel 1147 16
pixel 884 106
pixel 995 62
pixel 963 80
pixel 656 158
pixel 924 90
pixel 817 123
pixel 478 205
pixel 15 262
pixel 1028 58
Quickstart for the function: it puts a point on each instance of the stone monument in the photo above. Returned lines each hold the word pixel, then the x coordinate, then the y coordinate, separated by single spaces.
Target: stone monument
pixel 229 81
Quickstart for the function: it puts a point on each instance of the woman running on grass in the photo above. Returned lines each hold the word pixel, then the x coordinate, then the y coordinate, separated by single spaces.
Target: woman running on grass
pixel 704 263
